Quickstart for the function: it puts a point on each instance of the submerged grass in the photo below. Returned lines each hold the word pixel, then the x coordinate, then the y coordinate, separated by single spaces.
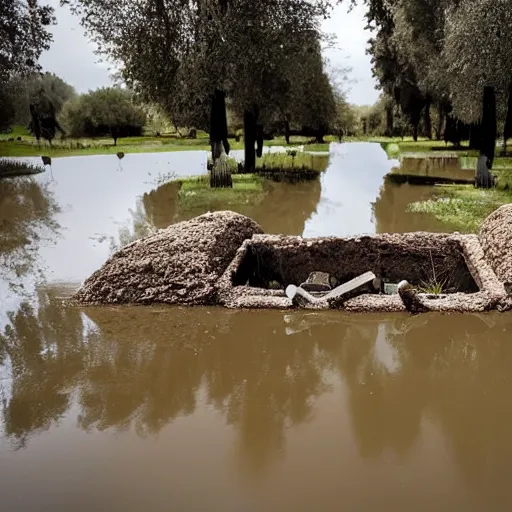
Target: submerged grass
pixel 9 168
pixel 395 148
pixel 195 193
pixel 292 161
pixel 462 207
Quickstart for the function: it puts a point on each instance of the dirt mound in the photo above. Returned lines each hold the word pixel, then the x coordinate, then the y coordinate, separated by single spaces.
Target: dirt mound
pixel 496 239
pixel 177 265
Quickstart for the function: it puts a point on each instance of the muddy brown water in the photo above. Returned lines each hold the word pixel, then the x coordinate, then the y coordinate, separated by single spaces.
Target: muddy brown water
pixel 208 409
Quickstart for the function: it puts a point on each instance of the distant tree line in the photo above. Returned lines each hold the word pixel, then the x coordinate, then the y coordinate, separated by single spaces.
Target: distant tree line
pixel 264 57
pixel 445 57
pixel 105 112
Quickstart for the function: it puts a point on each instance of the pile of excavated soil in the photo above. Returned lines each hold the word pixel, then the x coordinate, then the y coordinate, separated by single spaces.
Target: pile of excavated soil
pixel 496 239
pixel 177 265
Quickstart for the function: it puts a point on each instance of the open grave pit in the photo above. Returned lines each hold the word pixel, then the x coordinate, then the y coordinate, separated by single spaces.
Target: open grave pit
pixel 265 265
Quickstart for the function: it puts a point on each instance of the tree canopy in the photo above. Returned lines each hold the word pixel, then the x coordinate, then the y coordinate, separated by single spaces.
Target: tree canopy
pixel 442 52
pixel 263 54
pixel 23 37
pixel 39 90
pixel 107 111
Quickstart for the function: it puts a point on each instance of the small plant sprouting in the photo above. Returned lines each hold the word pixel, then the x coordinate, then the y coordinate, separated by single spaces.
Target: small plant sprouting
pixel 433 286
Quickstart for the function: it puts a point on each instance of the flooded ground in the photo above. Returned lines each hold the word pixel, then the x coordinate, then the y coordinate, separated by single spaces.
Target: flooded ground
pixel 206 409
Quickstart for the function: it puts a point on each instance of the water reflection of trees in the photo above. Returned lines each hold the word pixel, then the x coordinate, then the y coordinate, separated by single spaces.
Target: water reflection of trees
pixel 452 370
pixel 161 205
pixel 142 368
pixel 27 216
pixel 43 345
pixel 390 209
pixel 284 208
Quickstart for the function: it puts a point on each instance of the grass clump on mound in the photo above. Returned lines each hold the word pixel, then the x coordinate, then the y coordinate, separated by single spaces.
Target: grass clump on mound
pixel 9 168
pixel 292 161
pixel 464 208
pixel 195 193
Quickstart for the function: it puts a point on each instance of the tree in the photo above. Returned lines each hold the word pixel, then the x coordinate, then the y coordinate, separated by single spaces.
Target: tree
pixel 23 37
pixel 478 53
pixel 345 123
pixel 316 102
pixel 448 50
pixel 176 54
pixel 394 71
pixel 106 111
pixel 39 90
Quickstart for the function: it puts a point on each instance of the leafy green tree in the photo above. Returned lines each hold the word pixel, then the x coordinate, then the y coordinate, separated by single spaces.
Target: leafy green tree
pixel 177 54
pixel 39 90
pixel 345 123
pixel 444 53
pixel 106 111
pixel 23 37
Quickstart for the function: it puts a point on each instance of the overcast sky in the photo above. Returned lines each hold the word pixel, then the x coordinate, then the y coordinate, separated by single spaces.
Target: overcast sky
pixel 72 57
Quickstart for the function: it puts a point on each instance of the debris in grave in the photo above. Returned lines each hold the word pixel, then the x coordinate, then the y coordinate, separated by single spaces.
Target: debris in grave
pixel 409 296
pixel 334 298
pixel 319 282
pixel 390 289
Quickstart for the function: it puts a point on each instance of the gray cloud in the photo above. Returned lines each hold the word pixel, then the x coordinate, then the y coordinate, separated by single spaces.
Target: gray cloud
pixel 352 40
pixel 72 57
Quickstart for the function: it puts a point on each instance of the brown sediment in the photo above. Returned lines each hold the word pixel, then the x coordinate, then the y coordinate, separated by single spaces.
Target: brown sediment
pixel 496 240
pixel 177 265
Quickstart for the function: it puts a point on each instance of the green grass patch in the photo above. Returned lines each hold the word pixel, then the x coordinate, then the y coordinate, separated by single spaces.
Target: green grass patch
pixel 318 147
pixel 462 207
pixel 28 146
pixel 196 195
pixel 86 147
pixel 16 131
pixel 9 168
pixel 397 147
pixel 292 161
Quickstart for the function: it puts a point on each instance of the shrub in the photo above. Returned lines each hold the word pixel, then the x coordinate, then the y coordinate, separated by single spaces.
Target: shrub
pixel 106 111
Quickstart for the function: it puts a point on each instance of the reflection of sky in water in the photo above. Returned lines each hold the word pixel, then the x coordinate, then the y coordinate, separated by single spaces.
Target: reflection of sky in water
pixel 385 353
pixel 349 186
pixel 96 197
pixel 5 389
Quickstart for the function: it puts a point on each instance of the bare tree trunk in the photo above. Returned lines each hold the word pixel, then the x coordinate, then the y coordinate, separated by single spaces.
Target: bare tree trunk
pixel 489 125
pixel 440 121
pixel 249 141
pixel 474 136
pixel 287 132
pixel 484 178
pixel 415 132
pixel 507 132
pixel 389 120
pixel 220 175
pixel 426 119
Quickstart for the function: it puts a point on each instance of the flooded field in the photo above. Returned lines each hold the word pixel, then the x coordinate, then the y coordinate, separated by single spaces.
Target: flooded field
pixel 205 409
